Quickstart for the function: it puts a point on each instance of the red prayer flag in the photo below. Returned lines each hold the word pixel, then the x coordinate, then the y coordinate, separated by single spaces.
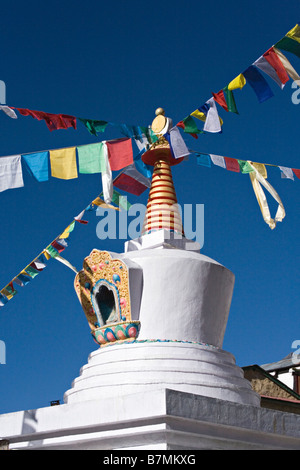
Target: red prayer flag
pixel 53 121
pixel 232 164
pixel 277 65
pixel 297 172
pixel 130 185
pixel 58 246
pixel 220 99
pixel 120 153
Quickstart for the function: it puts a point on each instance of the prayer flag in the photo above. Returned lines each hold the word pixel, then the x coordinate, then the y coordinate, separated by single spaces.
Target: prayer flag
pixel 93 126
pixel 245 167
pixel 260 167
pixel 294 33
pixel 120 153
pixel 199 115
pixel 189 126
pixel 90 158
pixel 275 62
pixel 53 121
pixel 131 181
pixel 232 164
pixel 11 175
pixel 177 143
pixel 107 183
pixel 38 265
pixel 63 163
pixel 267 68
pixel 258 83
pixel 6 293
pixel 231 106
pixel 286 172
pixel 238 82
pixel 31 271
pixel 10 288
pixel 297 172
pixel 290 45
pixel 38 165
pixel 3 300
pixel 120 200
pixel 24 277
pixel 52 252
pixel 203 159
pixel 287 65
pixel 220 99
pixel 218 160
pixel 212 123
pixel 100 203
pixel 146 170
pixel 10 112
pixel 78 218
pixel 59 247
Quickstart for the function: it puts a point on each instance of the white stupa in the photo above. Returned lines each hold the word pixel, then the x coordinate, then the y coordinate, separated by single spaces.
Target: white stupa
pixel 159 378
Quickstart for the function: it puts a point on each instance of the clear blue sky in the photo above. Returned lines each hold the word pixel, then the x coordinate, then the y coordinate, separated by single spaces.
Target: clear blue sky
pixel 118 61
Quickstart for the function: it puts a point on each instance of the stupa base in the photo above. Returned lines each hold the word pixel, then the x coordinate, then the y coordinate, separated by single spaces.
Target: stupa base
pixel 145 366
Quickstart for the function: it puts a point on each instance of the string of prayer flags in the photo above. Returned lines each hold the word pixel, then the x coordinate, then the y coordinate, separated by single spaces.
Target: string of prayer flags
pixel 63 163
pixel 120 153
pixel 38 165
pixel 90 158
pixel 93 126
pixel 11 175
pixel 131 181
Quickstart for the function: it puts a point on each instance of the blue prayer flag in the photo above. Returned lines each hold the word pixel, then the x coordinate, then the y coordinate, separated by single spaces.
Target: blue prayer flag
pixel 38 165
pixel 258 83
pixel 203 159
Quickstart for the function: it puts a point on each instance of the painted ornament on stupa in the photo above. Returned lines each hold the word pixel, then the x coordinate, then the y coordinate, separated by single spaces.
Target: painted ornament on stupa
pixel 102 287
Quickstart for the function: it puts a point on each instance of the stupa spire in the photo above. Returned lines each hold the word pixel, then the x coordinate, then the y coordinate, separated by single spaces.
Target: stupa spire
pixel 162 207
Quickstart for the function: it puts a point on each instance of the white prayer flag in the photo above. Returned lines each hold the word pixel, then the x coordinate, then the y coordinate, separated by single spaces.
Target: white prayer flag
pixel 218 160
pixel 11 175
pixel 107 182
pixel 177 143
pixel 286 172
pixel 212 122
pixel 264 65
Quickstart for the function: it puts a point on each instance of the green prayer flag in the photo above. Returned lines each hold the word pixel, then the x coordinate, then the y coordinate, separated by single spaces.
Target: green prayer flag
pixel 31 271
pixel 91 158
pixel 190 126
pixel 120 200
pixel 289 45
pixel 245 167
pixel 94 126
pixel 52 251
pixel 230 101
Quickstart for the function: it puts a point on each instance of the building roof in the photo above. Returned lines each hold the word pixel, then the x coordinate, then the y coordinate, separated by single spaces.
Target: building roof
pixel 291 360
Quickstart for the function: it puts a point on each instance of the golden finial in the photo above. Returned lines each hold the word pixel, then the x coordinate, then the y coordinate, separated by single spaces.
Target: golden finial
pixel 159 111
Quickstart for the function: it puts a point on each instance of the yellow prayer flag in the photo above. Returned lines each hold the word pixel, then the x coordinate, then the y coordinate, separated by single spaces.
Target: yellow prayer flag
pixel 6 293
pixel 238 82
pixel 199 115
pixel 294 33
pixel 99 202
pixel 63 163
pixel 46 254
pixel 260 167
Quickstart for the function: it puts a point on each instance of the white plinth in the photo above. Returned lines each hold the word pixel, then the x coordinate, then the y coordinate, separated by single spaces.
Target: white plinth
pixel 151 421
pixel 146 366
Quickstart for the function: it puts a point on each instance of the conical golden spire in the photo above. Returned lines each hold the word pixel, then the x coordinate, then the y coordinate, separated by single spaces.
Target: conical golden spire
pixel 162 208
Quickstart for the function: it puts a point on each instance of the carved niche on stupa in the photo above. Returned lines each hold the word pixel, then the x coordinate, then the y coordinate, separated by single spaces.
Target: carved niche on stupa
pixel 110 306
